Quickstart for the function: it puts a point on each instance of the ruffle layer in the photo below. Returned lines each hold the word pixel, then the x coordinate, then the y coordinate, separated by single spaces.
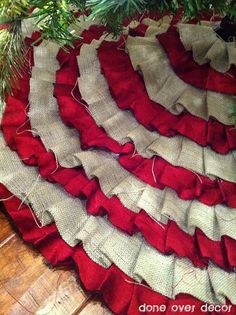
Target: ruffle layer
pixel 52 170
pixel 114 180
pixel 160 26
pixel 121 78
pixel 199 249
pixel 219 191
pixel 200 186
pixel 123 127
pixel 187 184
pixel 106 245
pixel 208 47
pixel 94 277
pixel 188 70
pixel 129 167
pixel 164 87
pixel 93 242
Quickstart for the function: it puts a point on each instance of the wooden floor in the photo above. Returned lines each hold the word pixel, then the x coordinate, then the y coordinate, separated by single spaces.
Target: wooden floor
pixel 28 286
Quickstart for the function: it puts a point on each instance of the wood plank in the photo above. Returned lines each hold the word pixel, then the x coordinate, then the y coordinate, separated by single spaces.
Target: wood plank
pixel 95 307
pixel 56 293
pixel 6 229
pixel 28 286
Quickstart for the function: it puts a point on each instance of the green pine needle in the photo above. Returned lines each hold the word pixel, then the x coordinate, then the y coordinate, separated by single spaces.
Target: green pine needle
pixel 12 53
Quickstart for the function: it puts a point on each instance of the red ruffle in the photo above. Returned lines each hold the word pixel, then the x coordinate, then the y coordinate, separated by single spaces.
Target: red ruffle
pixel 110 283
pixel 75 182
pixel 117 290
pixel 130 93
pixel 187 184
pixel 198 248
pixel 200 76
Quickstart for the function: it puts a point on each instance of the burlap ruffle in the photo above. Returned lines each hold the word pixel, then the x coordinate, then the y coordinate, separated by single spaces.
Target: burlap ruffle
pixel 114 180
pixel 123 127
pixel 106 245
pixel 167 238
pixel 157 27
pixel 207 46
pixel 94 277
pixel 166 88
pixel 122 77
pixel 188 70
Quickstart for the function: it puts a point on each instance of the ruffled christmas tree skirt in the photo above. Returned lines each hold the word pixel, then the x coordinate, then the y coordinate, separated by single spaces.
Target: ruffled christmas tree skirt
pixel 118 157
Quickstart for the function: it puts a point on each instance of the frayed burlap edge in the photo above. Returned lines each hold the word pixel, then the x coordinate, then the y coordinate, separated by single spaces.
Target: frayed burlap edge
pixel 106 245
pixel 164 86
pixel 208 47
pixel 113 179
pixel 123 127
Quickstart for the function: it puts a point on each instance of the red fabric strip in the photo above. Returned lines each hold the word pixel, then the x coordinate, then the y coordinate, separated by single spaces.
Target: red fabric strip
pixel 200 76
pixel 114 287
pixel 121 78
pixel 187 184
pixel 198 248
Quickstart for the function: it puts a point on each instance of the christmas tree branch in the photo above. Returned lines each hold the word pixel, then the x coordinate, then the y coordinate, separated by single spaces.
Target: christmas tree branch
pixel 12 52
pixel 53 18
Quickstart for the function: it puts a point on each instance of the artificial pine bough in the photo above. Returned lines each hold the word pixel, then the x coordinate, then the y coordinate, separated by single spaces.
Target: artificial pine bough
pixel 56 20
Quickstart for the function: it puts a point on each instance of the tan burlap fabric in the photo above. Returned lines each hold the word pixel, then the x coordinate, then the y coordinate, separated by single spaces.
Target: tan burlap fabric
pixel 113 179
pixel 106 245
pixel 208 47
pixel 165 88
pixel 123 127
pixel 157 27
